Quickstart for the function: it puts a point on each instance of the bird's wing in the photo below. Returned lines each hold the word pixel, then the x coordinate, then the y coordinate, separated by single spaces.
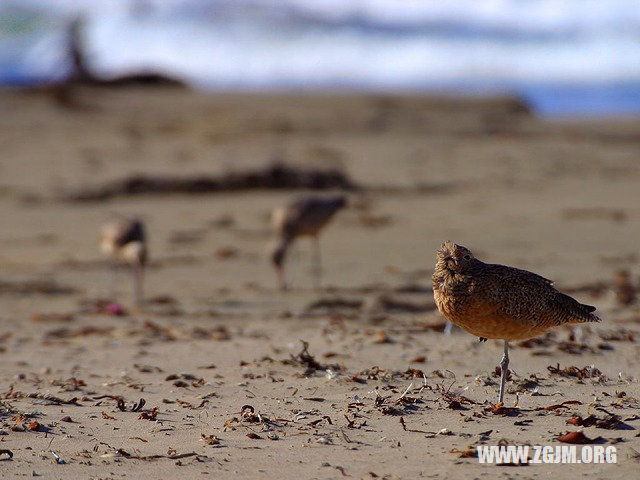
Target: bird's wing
pixel 516 292
pixel 129 231
pixel 532 277
pixel 518 274
pixel 528 295
pixel 318 211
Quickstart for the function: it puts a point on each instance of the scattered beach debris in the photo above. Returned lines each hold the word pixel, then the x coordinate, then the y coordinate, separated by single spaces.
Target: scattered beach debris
pixel 390 304
pixel 375 221
pixel 579 373
pixel 609 422
pixel 7 452
pixel 210 439
pixel 39 287
pixel 226 253
pixel 102 306
pixel 500 409
pixel 596 213
pixel 558 406
pixel 625 290
pixel 62 333
pixel 333 304
pixel 219 333
pixel 305 359
pixel 52 317
pixel 578 438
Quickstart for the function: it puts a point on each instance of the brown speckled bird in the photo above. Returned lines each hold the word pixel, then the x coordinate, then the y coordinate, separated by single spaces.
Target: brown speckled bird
pixel 124 240
pixel 303 216
pixel 496 301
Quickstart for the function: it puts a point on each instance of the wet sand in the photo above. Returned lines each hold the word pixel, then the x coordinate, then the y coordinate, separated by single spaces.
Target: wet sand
pixel 385 394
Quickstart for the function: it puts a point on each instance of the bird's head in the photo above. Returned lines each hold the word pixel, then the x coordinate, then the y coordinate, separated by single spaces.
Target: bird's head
pixel 455 259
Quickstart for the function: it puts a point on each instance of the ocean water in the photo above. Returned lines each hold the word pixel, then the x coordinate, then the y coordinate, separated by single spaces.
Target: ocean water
pixel 565 57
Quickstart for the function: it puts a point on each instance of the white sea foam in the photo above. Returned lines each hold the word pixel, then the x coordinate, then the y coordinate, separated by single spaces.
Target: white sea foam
pixel 369 44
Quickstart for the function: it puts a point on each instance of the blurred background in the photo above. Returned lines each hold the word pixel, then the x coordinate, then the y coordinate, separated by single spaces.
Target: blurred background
pixel 494 123
pixel 563 57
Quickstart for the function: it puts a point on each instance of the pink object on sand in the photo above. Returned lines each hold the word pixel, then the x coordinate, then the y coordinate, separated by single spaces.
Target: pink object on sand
pixel 114 308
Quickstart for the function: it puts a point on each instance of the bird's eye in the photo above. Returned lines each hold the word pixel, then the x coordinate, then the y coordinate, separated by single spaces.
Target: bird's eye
pixel 467 256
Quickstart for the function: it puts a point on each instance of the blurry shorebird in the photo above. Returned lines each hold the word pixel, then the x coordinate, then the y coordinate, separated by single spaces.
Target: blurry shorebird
pixel 303 216
pixel 123 239
pixel 496 301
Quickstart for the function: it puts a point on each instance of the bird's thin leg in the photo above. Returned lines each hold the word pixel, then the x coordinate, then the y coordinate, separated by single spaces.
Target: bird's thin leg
pixel 282 278
pixel 138 277
pixel 113 273
pixel 448 328
pixel 289 274
pixel 317 261
pixel 504 368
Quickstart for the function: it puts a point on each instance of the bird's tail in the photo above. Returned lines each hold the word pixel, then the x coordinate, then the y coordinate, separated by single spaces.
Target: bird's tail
pixel 579 312
pixel 589 316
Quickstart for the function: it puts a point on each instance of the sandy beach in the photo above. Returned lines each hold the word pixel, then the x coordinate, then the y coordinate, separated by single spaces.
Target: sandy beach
pixel 210 376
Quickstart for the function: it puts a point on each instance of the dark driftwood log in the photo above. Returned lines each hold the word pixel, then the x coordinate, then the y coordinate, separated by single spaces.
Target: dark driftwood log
pixel 273 177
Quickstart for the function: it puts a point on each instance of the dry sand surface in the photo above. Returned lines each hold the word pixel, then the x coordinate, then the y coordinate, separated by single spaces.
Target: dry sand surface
pixel 216 351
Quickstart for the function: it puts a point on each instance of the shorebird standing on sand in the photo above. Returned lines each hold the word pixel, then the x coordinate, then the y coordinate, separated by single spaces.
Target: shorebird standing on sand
pixel 304 216
pixel 496 301
pixel 123 239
